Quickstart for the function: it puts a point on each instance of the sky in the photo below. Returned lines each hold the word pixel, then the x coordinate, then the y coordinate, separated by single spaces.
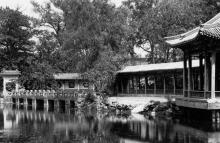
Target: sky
pixel 26 7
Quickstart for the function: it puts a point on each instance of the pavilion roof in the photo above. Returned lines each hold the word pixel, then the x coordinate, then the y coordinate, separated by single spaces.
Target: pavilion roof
pixel 67 76
pixel 157 67
pixel 211 29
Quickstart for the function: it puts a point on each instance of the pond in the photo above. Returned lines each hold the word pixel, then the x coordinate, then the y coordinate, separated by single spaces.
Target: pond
pixel 18 125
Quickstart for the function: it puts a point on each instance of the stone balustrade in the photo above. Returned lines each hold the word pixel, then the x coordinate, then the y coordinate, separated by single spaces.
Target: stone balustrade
pixel 46 94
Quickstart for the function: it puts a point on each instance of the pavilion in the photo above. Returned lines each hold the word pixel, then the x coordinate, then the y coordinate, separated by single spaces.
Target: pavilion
pixel 200 43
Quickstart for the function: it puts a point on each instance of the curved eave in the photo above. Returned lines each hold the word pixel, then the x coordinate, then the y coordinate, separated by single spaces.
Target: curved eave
pixel 210 28
pixel 184 38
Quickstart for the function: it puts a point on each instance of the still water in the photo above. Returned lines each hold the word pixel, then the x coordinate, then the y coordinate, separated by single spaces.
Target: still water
pixel 28 126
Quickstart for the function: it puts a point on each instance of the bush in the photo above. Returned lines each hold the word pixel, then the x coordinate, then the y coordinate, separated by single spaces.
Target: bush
pixel 10 86
pixel 90 98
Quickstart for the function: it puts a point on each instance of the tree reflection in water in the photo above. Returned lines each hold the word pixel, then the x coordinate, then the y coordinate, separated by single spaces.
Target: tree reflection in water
pixel 91 127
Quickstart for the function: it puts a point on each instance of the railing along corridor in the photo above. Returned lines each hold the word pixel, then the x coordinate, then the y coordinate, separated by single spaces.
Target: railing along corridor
pixel 197 94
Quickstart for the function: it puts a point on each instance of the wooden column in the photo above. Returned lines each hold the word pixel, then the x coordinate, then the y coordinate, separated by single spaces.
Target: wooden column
pixel 122 88
pixel 184 73
pixel 164 84
pixel 189 75
pixel 213 64
pixel 174 84
pixel 78 84
pixel 116 87
pixel 206 73
pixel 201 77
pixel 133 88
pixel 138 83
pixel 155 86
pixel 135 77
pixel 128 85
pixel 145 85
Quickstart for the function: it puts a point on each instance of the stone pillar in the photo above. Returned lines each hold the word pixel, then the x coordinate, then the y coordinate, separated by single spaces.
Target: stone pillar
pixel 213 116
pixel 17 101
pixel 67 104
pixel 213 64
pixel 46 105
pixel 57 105
pixel 34 104
pixel 25 102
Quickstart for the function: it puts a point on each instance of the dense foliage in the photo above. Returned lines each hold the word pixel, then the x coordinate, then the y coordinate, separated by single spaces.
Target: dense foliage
pixel 93 37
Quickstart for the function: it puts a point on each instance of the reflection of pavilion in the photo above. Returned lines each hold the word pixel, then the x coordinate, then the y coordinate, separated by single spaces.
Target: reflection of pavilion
pixel 159 131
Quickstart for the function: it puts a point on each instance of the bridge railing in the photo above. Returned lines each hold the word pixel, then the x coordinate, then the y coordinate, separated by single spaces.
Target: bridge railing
pixel 49 93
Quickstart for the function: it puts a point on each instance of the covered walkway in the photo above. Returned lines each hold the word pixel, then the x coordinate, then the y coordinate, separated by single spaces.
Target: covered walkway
pixel 154 79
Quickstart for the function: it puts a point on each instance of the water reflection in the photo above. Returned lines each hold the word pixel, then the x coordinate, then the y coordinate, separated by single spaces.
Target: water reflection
pixel 25 125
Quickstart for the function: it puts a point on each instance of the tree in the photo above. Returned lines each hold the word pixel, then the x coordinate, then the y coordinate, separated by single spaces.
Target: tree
pixel 50 18
pixel 15 38
pixel 156 19
pixel 96 38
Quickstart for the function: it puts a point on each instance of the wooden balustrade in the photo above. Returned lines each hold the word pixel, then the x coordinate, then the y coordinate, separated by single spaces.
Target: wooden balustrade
pixel 197 94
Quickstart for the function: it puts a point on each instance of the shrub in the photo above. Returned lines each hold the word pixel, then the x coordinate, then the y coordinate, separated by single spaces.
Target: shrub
pixel 90 98
pixel 10 86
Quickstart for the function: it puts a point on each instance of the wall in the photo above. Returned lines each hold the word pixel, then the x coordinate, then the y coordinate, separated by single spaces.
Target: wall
pixel 78 84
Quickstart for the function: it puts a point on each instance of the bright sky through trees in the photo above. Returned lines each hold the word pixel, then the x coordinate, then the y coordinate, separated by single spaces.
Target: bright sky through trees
pixel 26 7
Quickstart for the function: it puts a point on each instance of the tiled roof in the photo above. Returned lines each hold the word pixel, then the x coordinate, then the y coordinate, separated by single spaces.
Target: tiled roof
pixel 156 67
pixel 10 73
pixel 66 76
pixel 211 29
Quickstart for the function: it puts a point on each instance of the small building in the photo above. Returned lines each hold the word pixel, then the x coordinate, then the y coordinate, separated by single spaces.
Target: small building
pixel 154 79
pixel 10 81
pixel 73 81
pixel 201 43
pixel 66 81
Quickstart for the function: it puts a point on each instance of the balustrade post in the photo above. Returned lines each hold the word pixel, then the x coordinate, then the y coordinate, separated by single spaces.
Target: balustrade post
pixel 46 105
